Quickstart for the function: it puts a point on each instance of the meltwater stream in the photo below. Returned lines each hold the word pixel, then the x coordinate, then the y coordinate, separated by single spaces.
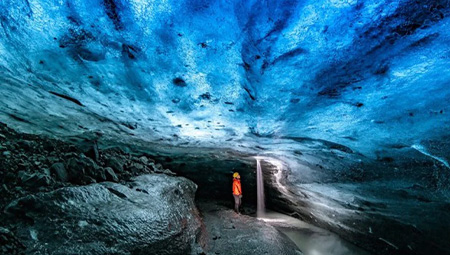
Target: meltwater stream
pixel 261 207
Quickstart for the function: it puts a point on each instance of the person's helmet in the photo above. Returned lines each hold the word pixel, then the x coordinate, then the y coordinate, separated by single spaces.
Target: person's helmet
pixel 236 175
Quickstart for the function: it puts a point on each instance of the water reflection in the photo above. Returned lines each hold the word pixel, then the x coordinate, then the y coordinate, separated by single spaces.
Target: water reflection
pixel 311 240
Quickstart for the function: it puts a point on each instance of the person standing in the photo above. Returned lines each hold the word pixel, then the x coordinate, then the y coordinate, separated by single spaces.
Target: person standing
pixel 237 191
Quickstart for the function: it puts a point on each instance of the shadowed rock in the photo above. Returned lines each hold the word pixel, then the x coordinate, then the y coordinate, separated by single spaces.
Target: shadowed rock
pixel 92 220
pixel 60 172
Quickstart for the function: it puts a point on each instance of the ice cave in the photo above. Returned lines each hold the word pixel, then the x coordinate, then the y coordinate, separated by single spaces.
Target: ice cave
pixel 227 127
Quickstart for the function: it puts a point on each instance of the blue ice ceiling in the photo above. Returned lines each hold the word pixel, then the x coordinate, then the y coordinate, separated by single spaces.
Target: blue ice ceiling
pixel 365 74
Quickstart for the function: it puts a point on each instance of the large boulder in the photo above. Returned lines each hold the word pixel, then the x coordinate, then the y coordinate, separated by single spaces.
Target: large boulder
pixel 34 180
pixel 91 168
pixel 152 214
pixel 115 163
pixel 60 172
pixel 143 160
pixel 101 175
pixel 110 175
pixel 75 170
pixel 83 170
pixel 92 152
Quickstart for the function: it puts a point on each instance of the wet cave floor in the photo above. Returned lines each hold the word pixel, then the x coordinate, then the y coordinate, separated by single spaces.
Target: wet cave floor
pixel 226 232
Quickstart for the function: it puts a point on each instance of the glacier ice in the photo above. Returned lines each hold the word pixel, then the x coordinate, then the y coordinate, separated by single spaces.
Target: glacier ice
pixel 366 74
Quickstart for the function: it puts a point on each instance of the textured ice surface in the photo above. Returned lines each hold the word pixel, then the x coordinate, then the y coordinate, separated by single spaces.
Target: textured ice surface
pixel 366 74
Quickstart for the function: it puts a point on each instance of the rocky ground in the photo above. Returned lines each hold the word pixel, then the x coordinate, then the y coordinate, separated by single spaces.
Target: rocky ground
pixel 51 190
pixel 229 233
pixel 31 163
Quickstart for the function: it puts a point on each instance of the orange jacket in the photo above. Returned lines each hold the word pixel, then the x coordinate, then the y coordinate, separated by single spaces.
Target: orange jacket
pixel 237 187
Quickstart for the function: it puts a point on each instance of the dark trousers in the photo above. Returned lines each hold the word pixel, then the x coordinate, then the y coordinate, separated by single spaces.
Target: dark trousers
pixel 237 202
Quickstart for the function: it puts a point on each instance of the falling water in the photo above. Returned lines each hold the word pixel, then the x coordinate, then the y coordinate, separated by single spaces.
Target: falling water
pixel 260 191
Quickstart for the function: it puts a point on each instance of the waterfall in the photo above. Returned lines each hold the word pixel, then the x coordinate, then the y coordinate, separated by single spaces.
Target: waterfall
pixel 260 190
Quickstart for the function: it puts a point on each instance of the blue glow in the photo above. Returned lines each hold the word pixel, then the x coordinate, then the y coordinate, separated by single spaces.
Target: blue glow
pixel 365 74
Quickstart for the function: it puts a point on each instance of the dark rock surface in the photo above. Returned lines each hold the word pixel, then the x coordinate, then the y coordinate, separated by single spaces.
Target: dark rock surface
pixel 38 163
pixel 115 164
pixel 110 175
pixel 151 214
pixel 34 180
pixel 51 203
pixel 9 244
pixel 60 172
pixel 229 233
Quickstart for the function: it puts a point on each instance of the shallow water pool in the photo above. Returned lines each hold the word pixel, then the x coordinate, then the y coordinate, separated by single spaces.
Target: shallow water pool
pixel 310 239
